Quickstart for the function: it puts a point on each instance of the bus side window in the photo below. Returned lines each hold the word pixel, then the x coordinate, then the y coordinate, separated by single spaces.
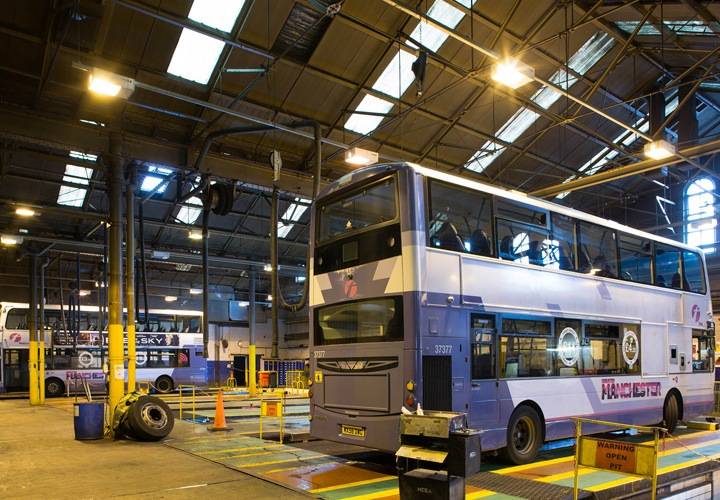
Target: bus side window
pixel 482 333
pixel 602 350
pixel 693 275
pixel 17 319
pixel 600 249
pixel 567 339
pixel 526 348
pixel 635 258
pixel 563 239
pixel 667 266
pixel 702 351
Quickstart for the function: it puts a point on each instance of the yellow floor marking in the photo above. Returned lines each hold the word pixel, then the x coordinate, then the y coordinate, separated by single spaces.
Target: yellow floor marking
pixel 352 485
pixel 256 454
pixel 296 459
pixel 231 450
pixel 377 494
pixel 478 494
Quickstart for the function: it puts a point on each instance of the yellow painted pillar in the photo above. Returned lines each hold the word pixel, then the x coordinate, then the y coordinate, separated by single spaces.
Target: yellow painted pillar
pixel 252 384
pixel 33 379
pixel 130 276
pixel 41 369
pixel 33 372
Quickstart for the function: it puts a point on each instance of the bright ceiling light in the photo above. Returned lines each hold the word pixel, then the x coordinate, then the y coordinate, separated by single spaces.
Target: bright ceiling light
pixel 359 156
pixel 84 293
pixel 659 150
pixel 269 297
pixel 24 212
pixel 170 298
pixel 109 84
pixel 196 291
pixel 195 234
pixel 267 268
pixel 10 240
pixel 512 73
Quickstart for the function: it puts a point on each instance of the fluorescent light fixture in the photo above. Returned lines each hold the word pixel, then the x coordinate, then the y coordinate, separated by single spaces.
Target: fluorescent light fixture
pixel 196 291
pixel 359 156
pixel 269 297
pixel 84 293
pixel 267 268
pixel 74 195
pixel 195 56
pixel 160 255
pixel 300 279
pixel 10 240
pixel 581 61
pixel 210 13
pixel 195 234
pixel 24 212
pixel 659 150
pixel 109 84
pixel 92 122
pixel 99 284
pixel 23 231
pixel 170 298
pixel 243 303
pixel 82 156
pixel 512 73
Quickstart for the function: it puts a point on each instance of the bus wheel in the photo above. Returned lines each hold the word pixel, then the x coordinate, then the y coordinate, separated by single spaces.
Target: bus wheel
pixel 150 419
pixel 164 384
pixel 671 412
pixel 524 436
pixel 54 387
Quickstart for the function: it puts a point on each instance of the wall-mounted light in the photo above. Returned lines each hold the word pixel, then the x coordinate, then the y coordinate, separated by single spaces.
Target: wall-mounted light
pixel 99 284
pixel 24 212
pixel 659 150
pixel 267 268
pixel 512 73
pixel 109 84
pixel 196 291
pixel 359 156
pixel 269 298
pixel 10 240
pixel 170 298
pixel 195 234
pixel 84 293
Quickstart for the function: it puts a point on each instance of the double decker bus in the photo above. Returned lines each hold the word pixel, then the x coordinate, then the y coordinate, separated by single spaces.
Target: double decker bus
pixel 432 290
pixel 169 349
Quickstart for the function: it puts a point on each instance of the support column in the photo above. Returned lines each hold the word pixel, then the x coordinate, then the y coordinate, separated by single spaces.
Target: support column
pixel 275 303
pixel 130 276
pixel 33 382
pixel 206 283
pixel 116 368
pixel 252 383
pixel 41 334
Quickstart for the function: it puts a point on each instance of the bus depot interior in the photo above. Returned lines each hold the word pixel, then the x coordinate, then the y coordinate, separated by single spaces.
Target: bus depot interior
pixel 359 249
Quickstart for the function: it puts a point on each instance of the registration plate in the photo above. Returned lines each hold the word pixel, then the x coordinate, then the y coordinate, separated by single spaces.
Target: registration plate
pixel 352 431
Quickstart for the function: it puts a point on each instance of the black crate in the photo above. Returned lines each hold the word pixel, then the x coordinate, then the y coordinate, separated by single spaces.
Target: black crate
pixel 464 453
pixel 424 484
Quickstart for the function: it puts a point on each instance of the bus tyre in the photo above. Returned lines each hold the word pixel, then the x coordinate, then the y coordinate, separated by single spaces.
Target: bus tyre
pixel 150 419
pixel 54 387
pixel 164 384
pixel 524 436
pixel 671 412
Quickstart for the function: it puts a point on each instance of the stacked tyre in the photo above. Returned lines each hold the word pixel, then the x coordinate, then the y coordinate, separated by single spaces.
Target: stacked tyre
pixel 146 419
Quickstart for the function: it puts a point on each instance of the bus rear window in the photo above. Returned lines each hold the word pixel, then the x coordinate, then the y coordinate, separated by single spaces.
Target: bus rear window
pixel 373 320
pixel 359 209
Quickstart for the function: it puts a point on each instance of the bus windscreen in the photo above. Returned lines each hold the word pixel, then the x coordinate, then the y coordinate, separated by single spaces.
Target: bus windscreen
pixel 373 320
pixel 360 209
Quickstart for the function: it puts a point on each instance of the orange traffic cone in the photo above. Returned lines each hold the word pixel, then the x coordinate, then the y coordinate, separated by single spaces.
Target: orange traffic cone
pixel 219 423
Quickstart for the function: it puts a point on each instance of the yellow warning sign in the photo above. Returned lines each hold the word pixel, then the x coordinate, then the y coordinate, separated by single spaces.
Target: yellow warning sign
pixel 617 456
pixel 318 377
pixel 271 408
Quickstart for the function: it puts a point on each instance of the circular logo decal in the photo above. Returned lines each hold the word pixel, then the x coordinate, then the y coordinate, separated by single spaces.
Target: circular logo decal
pixel 569 346
pixel 85 359
pixel 630 348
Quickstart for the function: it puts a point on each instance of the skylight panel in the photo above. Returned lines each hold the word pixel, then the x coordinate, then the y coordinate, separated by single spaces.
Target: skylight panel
pixel 397 76
pixel 72 193
pixel 190 212
pixel 679 26
pixel 629 27
pixel 195 56
pixel 581 61
pixel 211 13
pixel 364 124
pixel 82 156
pixel 151 182
pixel 291 215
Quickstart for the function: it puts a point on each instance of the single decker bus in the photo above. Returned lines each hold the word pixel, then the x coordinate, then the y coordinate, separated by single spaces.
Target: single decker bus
pixel 435 291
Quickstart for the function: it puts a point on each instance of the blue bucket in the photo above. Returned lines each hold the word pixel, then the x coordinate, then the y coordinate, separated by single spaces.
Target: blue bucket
pixel 89 420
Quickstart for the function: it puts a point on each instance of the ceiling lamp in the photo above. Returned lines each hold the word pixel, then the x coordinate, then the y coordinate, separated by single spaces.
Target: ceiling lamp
pixel 196 291
pixel 84 293
pixel 24 212
pixel 10 240
pixel 512 73
pixel 195 234
pixel 267 268
pixel 659 150
pixel 359 156
pixel 170 298
pixel 109 84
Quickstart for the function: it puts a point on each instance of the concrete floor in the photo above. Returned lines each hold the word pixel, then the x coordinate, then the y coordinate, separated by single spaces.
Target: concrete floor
pixel 40 459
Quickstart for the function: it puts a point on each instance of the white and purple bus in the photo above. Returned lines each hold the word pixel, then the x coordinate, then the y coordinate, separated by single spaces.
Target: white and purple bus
pixel 169 349
pixel 434 290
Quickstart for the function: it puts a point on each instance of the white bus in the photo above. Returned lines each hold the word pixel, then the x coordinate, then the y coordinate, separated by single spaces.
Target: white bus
pixel 432 289
pixel 169 349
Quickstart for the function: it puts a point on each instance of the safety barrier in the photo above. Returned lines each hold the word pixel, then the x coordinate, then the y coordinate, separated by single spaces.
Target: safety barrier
pixel 272 408
pixel 635 459
pixel 180 393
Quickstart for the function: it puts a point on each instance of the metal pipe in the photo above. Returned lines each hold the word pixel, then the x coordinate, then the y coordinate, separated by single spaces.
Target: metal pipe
pixel 33 374
pixel 273 273
pixel 252 382
pixel 206 282
pixel 130 275
pixel 116 369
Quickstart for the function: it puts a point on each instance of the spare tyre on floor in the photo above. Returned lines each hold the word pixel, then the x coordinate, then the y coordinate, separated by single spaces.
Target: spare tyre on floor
pixel 150 419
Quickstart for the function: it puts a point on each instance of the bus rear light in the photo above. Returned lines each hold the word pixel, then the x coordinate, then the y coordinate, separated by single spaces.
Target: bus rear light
pixel 410 400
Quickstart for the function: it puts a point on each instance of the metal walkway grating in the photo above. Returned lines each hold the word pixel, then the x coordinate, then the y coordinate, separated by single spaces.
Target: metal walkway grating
pixel 523 488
